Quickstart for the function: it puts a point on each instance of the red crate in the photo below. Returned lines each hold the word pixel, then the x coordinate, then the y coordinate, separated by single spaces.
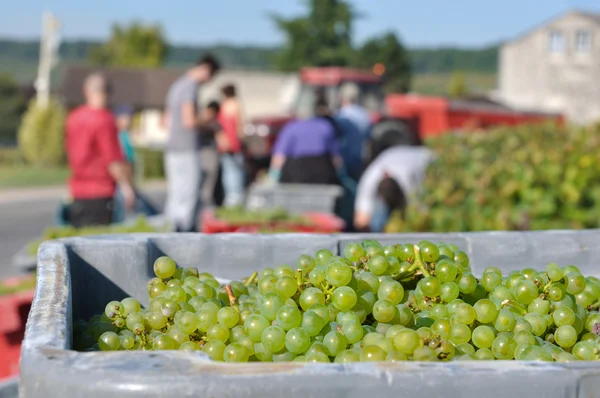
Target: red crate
pixel 14 309
pixel 319 223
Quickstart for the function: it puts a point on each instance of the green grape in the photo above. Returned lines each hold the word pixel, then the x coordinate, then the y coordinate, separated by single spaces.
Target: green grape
pixel 157 320
pixel 228 317
pixel 133 319
pixel 565 336
pixel 485 311
pixel 406 341
pixel 526 292
pixel 461 258
pixel 186 321
pixel 490 280
pixel 384 311
pixel 164 342
pixel 378 265
pixel 368 281
pixel 164 267
pixel 335 342
pixel 266 272
pixel 495 270
pixel 538 323
pixel 405 316
pixel 446 271
pixel 306 263
pixel 270 304
pixel 535 353
pixel 178 336
pixel 130 305
pixel 284 270
pixel 204 290
pixel 406 253
pixel 189 345
pixel 484 354
pixel 445 351
pixel 317 357
pixel 338 273
pixel 236 333
pixel 425 354
pixel 212 283
pixel 248 343
pixel 467 283
pixel 563 316
pixel 584 351
pixel 513 279
pixel 322 256
pixel 453 305
pixel 430 286
pixel 391 290
pixel 114 309
pixel 450 291
pixel 254 326
pixel 316 276
pixel 322 310
pixel 109 341
pixel 584 299
pixel 465 349
pixel 429 251
pixel 353 332
pixel 312 296
pixel 267 284
pixel 354 252
pixel 196 303
pixel 504 347
pixel 372 354
pixel 347 317
pixel 273 338
pixel 438 311
pixel 574 283
pixel 501 293
pixel 262 353
pixel 505 321
pixel 191 281
pixel 174 283
pixel 591 320
pixel 540 306
pixel 206 319
pixel 522 325
pixel 284 357
pixel 464 314
pixel 169 308
pixel 236 352
pixel 218 332
pixel 317 347
pixel 483 336
pixel 348 356
pixel 297 341
pixel 554 272
pixel 460 333
pixel 442 327
pixel 176 294
pixel 344 298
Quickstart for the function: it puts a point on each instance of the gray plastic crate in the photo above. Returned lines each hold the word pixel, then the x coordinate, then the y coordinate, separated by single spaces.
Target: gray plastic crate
pixel 295 198
pixel 9 388
pixel 78 276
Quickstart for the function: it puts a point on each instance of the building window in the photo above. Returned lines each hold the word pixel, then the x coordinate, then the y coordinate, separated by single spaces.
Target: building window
pixel 557 43
pixel 583 41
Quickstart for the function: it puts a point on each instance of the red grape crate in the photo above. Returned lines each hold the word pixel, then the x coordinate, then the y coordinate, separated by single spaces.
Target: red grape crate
pixel 14 309
pixel 317 222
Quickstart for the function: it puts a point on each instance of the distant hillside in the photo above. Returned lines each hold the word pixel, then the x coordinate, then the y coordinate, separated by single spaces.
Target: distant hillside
pixel 19 58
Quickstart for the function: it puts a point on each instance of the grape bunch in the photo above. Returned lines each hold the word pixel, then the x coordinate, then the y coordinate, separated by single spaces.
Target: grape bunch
pixel 374 303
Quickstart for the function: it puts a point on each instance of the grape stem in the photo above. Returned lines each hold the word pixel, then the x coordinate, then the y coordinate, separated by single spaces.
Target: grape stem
pixel 251 279
pixel 514 305
pixel 419 261
pixel 232 299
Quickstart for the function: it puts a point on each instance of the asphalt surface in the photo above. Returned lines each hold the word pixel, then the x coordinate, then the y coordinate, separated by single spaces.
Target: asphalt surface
pixel 24 214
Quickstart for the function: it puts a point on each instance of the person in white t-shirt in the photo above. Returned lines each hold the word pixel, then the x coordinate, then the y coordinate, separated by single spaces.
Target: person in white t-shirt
pixel 387 183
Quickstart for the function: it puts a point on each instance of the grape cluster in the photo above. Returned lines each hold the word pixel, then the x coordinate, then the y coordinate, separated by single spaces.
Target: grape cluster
pixel 373 303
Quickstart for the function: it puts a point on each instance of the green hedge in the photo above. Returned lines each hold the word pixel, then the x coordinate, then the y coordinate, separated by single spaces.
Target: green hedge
pixel 150 163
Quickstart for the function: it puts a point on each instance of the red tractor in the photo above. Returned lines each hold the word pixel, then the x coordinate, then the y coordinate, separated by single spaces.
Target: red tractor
pixel 262 132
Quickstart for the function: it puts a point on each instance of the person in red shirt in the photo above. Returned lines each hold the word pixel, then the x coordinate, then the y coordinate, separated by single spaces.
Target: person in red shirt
pixel 232 160
pixel 95 158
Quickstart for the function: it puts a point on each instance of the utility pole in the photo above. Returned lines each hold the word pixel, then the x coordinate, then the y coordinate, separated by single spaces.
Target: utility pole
pixel 49 44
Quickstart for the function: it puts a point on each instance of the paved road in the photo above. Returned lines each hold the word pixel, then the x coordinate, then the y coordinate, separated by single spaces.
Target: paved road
pixel 25 213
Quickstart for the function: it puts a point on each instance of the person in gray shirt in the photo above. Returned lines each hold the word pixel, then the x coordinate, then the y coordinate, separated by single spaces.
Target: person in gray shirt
pixel 182 155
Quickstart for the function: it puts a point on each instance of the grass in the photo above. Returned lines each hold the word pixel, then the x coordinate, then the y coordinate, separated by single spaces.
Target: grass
pixel 21 176
pixel 437 83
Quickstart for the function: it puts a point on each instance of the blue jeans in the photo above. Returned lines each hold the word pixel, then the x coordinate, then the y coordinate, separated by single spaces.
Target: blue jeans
pixel 233 178
pixel 381 214
pixel 141 206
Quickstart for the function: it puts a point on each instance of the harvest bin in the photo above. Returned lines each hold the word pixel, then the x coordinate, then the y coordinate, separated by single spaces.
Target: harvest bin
pixel 294 198
pixel 78 276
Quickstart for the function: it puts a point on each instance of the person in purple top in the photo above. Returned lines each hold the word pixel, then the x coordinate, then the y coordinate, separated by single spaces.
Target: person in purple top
pixel 308 151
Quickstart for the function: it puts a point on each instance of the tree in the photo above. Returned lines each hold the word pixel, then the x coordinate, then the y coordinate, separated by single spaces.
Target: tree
pixel 136 45
pixel 458 86
pixel 322 37
pixel 12 106
pixel 390 52
pixel 41 134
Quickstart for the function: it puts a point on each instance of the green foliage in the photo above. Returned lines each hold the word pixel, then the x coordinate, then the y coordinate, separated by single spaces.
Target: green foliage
pixel 446 60
pixel 322 37
pixel 135 45
pixel 511 178
pixel 12 106
pixel 10 156
pixel 390 52
pixel 41 134
pixel 458 86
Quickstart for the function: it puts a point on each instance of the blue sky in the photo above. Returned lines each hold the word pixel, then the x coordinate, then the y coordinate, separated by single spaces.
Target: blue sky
pixel 426 22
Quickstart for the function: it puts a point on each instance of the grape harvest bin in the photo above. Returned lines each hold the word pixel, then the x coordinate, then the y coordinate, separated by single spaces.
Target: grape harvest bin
pixel 78 276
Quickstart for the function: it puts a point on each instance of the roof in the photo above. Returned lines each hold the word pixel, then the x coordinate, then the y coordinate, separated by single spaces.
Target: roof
pixel 326 76
pixel 594 16
pixel 140 88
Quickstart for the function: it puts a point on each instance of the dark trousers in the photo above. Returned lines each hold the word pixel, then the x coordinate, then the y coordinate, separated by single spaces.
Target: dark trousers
pixel 89 212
